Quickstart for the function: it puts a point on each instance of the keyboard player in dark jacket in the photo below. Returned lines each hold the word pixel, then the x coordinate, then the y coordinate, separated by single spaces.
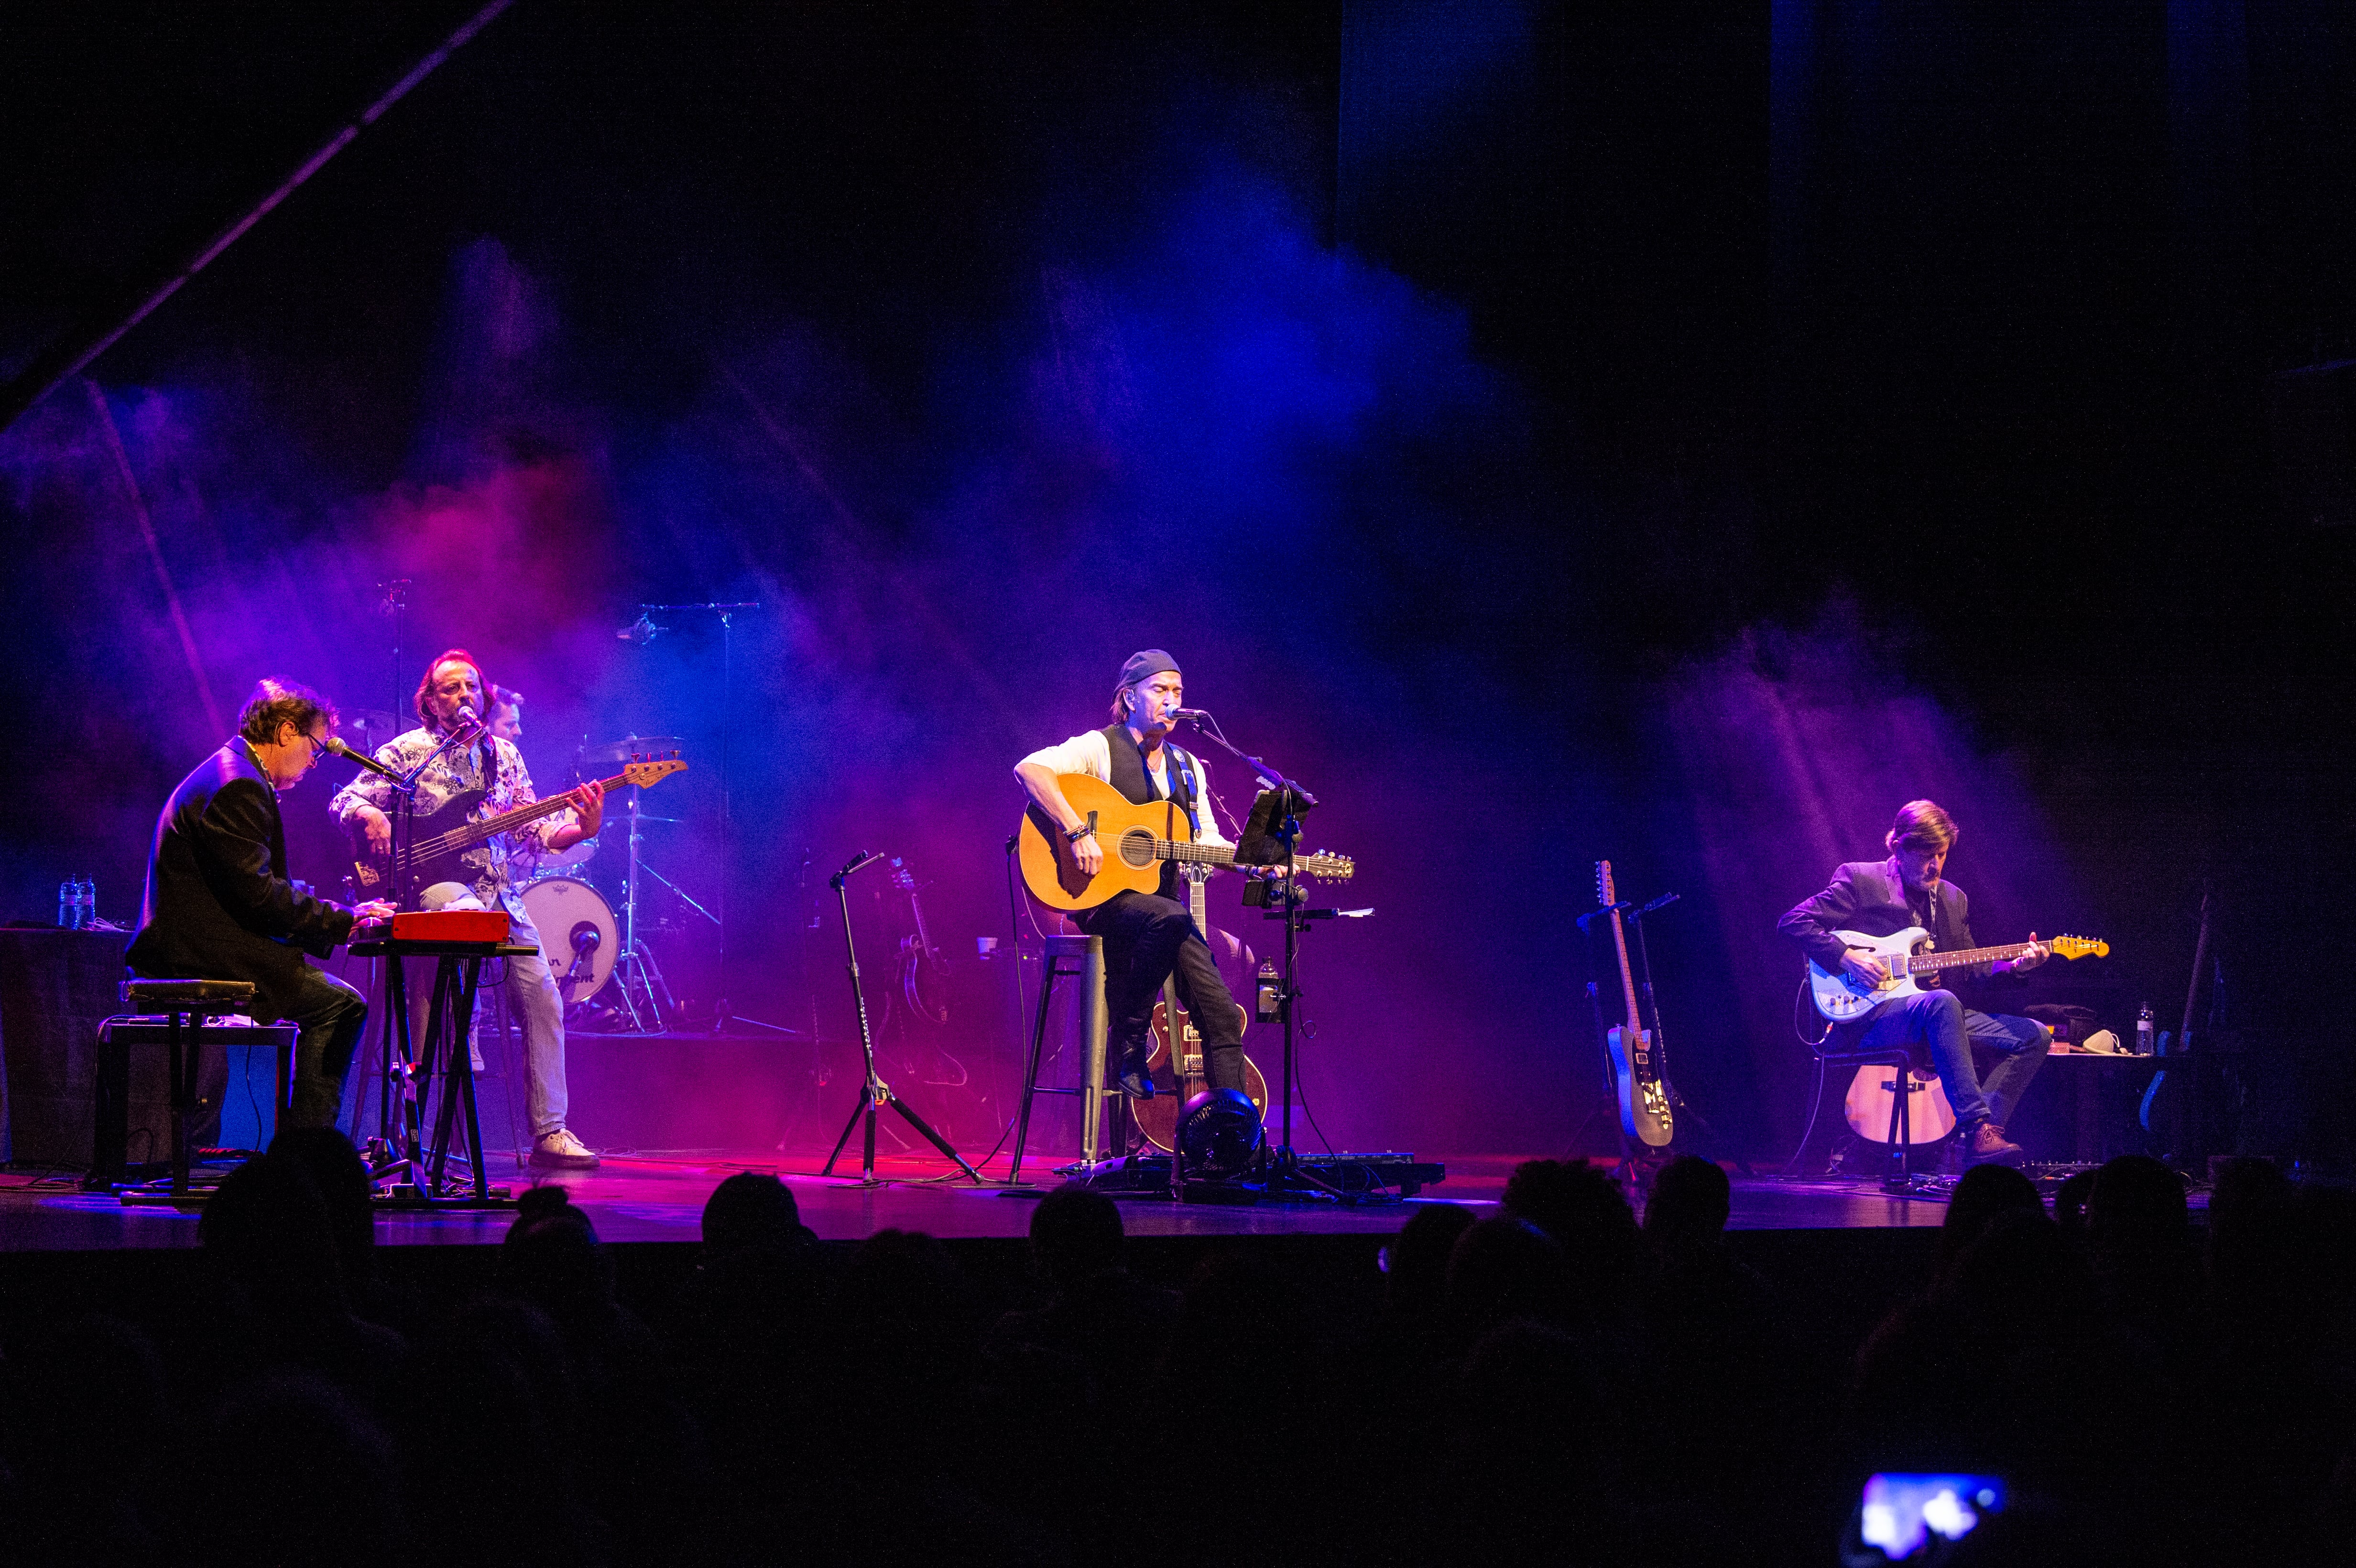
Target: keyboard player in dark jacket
pixel 219 905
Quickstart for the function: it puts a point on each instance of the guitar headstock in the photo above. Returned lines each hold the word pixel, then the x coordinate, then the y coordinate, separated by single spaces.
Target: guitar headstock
pixel 1604 893
pixel 904 876
pixel 2080 946
pixel 648 770
pixel 1331 867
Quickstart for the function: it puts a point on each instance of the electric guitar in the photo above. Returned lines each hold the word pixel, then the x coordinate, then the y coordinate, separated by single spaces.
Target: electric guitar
pixel 1840 997
pixel 1643 1099
pixel 438 838
pixel 1136 839
pixel 1176 1037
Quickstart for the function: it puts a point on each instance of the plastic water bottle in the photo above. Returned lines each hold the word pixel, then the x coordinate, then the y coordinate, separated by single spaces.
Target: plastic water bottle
pixel 69 903
pixel 88 905
pixel 2143 1042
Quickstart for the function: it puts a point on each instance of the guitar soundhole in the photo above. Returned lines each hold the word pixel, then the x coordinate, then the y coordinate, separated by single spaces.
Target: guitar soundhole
pixel 1137 848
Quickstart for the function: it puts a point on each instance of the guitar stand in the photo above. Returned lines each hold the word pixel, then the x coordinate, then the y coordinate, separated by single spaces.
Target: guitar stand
pixel 875 1093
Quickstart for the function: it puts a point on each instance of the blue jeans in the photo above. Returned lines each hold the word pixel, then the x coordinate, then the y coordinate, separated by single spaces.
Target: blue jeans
pixel 539 1011
pixel 1938 1021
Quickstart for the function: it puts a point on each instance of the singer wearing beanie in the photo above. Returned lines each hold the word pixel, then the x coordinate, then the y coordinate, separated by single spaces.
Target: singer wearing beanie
pixel 1146 935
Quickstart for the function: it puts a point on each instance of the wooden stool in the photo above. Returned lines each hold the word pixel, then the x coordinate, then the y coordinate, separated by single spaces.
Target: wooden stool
pixel 195 1001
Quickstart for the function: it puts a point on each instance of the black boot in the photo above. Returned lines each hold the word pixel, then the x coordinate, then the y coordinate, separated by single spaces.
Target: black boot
pixel 1130 1059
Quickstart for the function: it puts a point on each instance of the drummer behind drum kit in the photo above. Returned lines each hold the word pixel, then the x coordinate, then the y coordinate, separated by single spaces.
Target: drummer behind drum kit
pixel 604 970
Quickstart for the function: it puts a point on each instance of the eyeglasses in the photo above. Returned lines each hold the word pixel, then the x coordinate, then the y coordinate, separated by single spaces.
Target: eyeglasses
pixel 318 751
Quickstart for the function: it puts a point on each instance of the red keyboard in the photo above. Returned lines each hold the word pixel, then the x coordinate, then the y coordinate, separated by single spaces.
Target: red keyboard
pixel 437 925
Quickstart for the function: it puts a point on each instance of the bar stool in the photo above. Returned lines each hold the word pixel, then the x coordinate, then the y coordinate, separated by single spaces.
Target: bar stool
pixel 177 1000
pixel 1077 958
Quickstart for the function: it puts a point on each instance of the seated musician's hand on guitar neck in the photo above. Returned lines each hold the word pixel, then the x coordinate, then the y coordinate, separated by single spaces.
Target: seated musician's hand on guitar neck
pixel 1865 969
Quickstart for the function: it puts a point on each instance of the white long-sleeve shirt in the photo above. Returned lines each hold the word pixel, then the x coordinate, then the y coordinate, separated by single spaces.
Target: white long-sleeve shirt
pixel 1092 754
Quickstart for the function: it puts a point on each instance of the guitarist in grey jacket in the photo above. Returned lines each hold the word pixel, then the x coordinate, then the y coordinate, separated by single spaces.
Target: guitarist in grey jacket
pixel 1881 898
pixel 219 905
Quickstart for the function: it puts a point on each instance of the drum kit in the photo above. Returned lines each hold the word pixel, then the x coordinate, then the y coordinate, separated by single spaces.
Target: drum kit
pixel 604 970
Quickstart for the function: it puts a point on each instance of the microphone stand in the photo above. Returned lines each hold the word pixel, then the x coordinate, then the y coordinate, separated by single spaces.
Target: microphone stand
pixel 398 1069
pixel 1282 1164
pixel 876 1093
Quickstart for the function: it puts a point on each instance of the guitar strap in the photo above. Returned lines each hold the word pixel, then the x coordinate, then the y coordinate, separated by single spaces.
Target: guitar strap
pixel 1188 793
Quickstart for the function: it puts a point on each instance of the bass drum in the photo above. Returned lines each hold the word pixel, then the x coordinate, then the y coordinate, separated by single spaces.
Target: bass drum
pixel 578 934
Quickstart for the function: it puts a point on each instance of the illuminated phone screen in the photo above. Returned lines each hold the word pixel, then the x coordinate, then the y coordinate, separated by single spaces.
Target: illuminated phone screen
pixel 1900 1513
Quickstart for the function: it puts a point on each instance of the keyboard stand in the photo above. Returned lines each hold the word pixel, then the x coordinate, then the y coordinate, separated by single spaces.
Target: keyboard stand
pixel 411 1072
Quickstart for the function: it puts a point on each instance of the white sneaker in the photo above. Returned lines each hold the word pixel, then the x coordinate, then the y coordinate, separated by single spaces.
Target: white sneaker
pixel 560 1150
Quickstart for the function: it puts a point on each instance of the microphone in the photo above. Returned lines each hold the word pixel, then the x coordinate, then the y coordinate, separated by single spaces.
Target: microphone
pixel 335 744
pixel 1190 713
pixel 641 631
pixel 1662 903
pixel 856 861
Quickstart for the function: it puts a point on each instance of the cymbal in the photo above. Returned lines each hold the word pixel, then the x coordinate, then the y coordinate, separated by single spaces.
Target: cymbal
pixel 628 746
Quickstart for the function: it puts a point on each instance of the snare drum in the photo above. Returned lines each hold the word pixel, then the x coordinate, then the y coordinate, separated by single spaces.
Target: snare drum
pixel 578 934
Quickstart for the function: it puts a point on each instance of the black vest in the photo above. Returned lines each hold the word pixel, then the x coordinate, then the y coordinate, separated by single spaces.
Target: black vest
pixel 1136 785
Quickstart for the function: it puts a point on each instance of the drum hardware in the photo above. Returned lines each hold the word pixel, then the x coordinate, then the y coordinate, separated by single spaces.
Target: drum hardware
pixel 640 633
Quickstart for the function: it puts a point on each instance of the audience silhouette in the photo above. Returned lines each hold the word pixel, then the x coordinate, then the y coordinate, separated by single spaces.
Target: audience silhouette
pixel 1553 1382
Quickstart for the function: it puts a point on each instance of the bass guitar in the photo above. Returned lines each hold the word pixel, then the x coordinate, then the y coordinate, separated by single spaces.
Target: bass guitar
pixel 1136 839
pixel 1175 1034
pixel 1643 1099
pixel 1840 997
pixel 438 838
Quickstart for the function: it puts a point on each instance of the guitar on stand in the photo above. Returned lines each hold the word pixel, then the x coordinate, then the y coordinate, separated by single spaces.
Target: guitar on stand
pixel 1645 1113
pixel 921 970
pixel 1175 1038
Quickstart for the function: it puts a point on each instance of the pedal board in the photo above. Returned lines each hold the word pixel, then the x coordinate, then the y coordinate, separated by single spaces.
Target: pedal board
pixel 1373 1172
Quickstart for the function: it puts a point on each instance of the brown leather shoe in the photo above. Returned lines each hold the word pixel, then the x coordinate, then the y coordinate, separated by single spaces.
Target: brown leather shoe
pixel 1989 1146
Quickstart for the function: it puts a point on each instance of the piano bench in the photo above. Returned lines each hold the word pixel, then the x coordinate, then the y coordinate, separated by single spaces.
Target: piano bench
pixel 171 1013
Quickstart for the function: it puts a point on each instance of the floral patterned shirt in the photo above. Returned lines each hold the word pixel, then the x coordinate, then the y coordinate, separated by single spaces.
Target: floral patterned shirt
pixel 497 862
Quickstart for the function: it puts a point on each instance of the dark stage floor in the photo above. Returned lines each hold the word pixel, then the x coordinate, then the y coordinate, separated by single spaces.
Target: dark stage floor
pixel 660 1196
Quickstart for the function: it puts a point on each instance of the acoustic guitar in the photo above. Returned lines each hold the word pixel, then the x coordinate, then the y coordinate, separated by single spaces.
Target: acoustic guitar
pixel 438 838
pixel 1174 1031
pixel 1643 1099
pixel 1841 997
pixel 1136 839
pixel 1928 1119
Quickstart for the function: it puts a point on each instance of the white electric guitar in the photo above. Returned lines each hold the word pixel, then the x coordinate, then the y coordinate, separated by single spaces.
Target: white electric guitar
pixel 1840 998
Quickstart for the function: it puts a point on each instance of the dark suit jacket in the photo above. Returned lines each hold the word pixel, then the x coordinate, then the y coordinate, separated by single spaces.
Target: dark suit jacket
pixel 1870 896
pixel 218 904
